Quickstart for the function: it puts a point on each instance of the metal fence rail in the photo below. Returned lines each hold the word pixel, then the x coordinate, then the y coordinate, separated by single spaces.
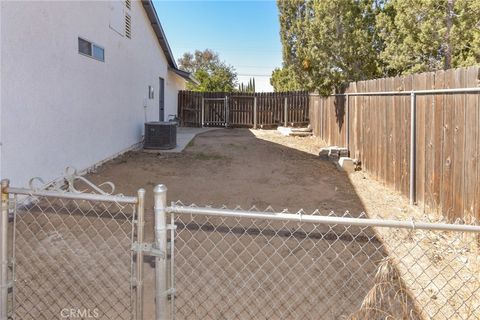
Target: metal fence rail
pixel 238 264
pixel 70 254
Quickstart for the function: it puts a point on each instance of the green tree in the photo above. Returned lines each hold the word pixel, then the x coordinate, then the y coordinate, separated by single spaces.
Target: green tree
pixel 329 43
pixel 250 87
pixel 212 73
pixel 427 35
pixel 285 79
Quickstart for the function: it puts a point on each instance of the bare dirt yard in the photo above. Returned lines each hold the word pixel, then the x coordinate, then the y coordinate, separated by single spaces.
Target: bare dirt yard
pixel 237 167
pixel 280 271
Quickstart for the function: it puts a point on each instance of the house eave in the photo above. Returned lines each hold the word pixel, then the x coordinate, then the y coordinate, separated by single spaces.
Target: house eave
pixel 185 75
pixel 157 28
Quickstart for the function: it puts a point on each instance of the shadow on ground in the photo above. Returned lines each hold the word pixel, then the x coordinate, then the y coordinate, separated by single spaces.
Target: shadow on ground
pixel 249 269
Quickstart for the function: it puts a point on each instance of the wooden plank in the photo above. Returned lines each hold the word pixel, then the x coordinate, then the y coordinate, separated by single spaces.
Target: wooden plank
pixel 405 146
pixel 438 143
pixel 361 119
pixel 448 151
pixel 432 131
pixel 472 146
pixel 420 82
pixel 477 188
pixel 390 154
pixel 458 145
pixel 384 149
pixel 397 135
pixel 377 126
pixel 372 123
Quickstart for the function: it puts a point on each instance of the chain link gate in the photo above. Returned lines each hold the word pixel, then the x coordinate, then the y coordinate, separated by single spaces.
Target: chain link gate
pixel 72 254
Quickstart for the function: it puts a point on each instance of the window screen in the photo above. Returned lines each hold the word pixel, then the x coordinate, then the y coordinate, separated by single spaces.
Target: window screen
pixel 91 49
pixel 84 47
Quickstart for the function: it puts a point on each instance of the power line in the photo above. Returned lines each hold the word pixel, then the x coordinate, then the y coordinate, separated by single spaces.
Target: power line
pixel 253 75
pixel 245 66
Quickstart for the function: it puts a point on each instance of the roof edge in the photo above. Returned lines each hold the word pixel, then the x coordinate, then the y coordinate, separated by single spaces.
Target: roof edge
pixel 185 75
pixel 157 28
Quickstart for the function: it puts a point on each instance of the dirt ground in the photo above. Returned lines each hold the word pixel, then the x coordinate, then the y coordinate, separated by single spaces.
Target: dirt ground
pixel 240 167
pixel 228 268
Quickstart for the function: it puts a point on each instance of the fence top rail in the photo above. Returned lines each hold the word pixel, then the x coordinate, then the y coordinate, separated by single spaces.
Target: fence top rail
pixel 329 220
pixel 406 92
pixel 73 195
pixel 243 97
pixel 214 99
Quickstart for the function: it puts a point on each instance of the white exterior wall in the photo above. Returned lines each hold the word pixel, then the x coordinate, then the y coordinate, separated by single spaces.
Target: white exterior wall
pixel 60 108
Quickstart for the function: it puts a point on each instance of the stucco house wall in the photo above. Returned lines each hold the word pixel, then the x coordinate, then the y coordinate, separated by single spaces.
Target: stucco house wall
pixel 60 108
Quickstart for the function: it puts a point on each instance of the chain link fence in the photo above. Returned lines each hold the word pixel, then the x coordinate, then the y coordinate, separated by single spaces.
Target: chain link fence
pixel 234 264
pixel 75 255
pixel 71 256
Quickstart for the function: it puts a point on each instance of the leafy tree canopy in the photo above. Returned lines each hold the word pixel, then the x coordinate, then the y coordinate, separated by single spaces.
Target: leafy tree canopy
pixel 429 35
pixel 327 44
pixel 212 73
pixel 285 79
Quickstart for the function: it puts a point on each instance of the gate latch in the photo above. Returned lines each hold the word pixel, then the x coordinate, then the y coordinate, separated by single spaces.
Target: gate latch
pixel 149 249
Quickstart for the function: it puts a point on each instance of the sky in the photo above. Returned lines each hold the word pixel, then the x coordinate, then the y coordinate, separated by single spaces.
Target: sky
pixel 244 33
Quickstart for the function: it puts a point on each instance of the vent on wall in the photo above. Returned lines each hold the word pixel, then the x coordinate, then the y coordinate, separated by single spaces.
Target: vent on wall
pixel 128 4
pixel 128 26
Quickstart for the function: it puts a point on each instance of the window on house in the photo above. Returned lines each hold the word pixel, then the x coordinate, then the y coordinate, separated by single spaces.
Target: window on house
pixel 90 49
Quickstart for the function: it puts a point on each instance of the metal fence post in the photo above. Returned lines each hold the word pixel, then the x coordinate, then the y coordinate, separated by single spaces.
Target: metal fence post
pixel 254 112
pixel 286 111
pixel 161 294
pixel 413 147
pixel 347 123
pixel 139 269
pixel 203 111
pixel 4 252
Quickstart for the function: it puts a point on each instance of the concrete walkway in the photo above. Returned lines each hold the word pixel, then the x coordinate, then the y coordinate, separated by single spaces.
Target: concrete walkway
pixel 184 136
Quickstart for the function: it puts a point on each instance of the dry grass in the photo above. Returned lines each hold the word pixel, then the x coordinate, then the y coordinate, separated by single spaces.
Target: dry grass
pixel 389 298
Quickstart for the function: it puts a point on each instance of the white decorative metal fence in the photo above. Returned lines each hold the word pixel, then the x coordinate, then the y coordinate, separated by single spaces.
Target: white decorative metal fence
pixel 69 253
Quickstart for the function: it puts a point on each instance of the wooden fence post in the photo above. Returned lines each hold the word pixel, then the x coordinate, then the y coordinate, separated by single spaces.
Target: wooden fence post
pixel 255 112
pixel 203 111
pixel 286 112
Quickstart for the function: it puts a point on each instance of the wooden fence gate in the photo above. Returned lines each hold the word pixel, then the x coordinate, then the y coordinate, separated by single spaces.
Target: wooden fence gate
pixel 249 110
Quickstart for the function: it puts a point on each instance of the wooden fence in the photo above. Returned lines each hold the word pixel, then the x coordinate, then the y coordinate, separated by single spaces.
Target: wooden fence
pixel 447 136
pixel 242 109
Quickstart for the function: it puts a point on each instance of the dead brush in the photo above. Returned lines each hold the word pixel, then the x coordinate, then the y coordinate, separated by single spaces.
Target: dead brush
pixel 389 298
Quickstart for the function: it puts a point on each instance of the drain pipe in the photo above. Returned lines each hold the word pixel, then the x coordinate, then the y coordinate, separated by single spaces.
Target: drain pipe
pixel 161 294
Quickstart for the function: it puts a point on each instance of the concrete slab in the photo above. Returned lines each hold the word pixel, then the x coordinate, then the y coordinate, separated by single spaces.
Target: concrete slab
pixel 297 132
pixel 184 136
